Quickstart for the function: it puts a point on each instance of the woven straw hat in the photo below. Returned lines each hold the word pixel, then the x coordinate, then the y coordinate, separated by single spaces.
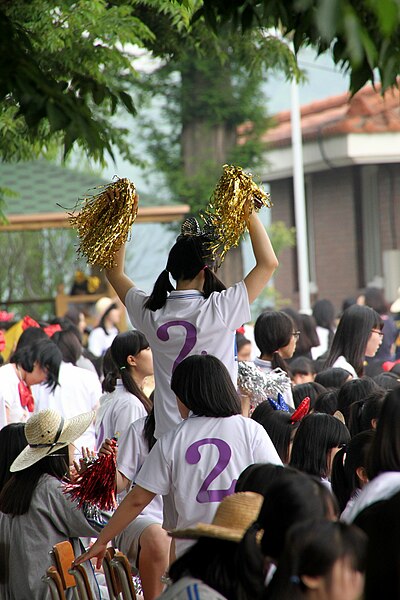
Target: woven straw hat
pixel 46 432
pixel 234 516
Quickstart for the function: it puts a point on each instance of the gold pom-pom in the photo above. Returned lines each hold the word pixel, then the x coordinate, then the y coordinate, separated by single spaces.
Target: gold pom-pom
pixel 233 200
pixel 104 222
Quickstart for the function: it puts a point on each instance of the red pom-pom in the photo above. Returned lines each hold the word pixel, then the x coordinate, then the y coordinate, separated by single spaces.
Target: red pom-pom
pixel 96 485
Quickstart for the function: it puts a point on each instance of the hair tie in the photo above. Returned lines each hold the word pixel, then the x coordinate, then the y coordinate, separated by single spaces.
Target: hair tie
pixel 205 267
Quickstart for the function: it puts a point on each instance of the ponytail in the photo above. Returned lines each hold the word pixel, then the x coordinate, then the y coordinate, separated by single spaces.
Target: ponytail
pixel 278 362
pixel 211 283
pixel 132 387
pixel 160 291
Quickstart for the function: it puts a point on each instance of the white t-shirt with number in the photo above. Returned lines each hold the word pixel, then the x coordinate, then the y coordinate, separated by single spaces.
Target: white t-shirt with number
pixel 118 409
pixel 187 324
pixel 200 461
pixel 132 452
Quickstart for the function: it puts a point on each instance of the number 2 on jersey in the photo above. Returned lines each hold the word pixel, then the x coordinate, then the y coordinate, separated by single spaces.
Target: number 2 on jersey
pixel 190 339
pixel 193 456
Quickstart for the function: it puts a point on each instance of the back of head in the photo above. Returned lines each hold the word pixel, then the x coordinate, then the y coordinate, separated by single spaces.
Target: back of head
pixel 388 380
pixel 327 402
pixel 272 331
pixel 311 551
pixel 385 452
pixel 69 345
pixel 317 434
pixel 354 390
pixel 352 334
pixel 312 389
pixel 30 336
pixel 12 442
pixel 203 384
pixel 333 377
pixel 308 335
pixel 324 313
pixel 375 298
pixel 258 478
pixel 281 430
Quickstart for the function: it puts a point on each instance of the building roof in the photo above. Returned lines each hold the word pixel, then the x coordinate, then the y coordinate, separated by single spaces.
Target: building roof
pixel 44 192
pixel 366 112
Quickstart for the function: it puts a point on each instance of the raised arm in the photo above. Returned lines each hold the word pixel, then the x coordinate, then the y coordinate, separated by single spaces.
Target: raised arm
pixel 266 261
pixel 131 506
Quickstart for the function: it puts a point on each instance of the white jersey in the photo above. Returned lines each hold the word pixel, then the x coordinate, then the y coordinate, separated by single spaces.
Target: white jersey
pixel 99 341
pixel 78 392
pixel 132 452
pixel 200 461
pixel 187 324
pixel 9 397
pixel 118 409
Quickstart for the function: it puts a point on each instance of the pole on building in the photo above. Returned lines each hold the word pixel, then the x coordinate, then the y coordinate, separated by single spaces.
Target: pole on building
pixel 299 202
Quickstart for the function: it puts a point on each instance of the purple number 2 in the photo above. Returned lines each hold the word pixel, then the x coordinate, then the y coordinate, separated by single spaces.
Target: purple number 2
pixel 190 340
pixel 193 457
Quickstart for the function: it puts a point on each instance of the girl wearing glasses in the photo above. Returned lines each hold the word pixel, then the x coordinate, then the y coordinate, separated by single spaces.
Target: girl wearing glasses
pixel 359 335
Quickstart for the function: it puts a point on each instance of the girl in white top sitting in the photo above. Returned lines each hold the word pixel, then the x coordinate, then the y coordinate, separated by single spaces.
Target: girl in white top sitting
pixel 199 462
pixel 359 334
pixel 124 401
pixel 276 338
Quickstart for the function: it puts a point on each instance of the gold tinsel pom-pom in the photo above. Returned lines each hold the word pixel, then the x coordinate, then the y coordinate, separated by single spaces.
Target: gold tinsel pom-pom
pixel 233 200
pixel 104 222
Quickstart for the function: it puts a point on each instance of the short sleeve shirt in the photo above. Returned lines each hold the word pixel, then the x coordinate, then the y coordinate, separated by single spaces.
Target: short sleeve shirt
pixel 9 397
pixel 187 324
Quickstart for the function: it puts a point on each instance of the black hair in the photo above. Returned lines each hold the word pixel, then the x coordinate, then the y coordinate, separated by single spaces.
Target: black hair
pixel 46 354
pixel 317 434
pixel 354 390
pixel 327 402
pixel 385 451
pixel 345 481
pixel 221 566
pixel 203 384
pixel 312 548
pixel 241 341
pixel 352 335
pixel 128 343
pixel 273 330
pixel 333 377
pixel 12 442
pixel 187 257
pixel 387 380
pixel 308 335
pixel 16 495
pixel 363 411
pixel 324 314
pixel 258 477
pixel 279 427
pixel 302 365
pixel 292 497
pixel 30 336
pixel 150 426
pixel 310 389
pixel 104 316
pixel 375 298
pixel 67 324
pixel 69 345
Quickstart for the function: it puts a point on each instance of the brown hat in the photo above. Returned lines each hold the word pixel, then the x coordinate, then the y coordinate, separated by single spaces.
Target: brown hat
pixel 46 432
pixel 234 516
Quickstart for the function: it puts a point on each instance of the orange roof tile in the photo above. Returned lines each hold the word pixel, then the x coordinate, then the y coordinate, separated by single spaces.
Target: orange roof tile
pixel 366 112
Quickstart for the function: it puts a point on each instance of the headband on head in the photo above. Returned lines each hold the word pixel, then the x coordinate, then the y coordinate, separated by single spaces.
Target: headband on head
pixel 279 403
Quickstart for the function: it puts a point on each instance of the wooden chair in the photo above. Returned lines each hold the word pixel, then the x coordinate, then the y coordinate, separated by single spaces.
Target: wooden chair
pixel 121 565
pixel 53 580
pixel 111 575
pixel 74 578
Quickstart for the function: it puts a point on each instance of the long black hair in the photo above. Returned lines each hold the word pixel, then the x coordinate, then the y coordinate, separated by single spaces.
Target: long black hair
pixel 46 354
pixel 352 335
pixel 278 424
pixel 16 495
pixel 128 343
pixel 12 442
pixel 385 451
pixel 203 384
pixel 187 257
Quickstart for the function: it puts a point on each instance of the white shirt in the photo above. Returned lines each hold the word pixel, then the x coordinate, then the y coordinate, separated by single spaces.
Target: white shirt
pixel 79 392
pixel 116 412
pixel 9 397
pixel 266 367
pixel 382 487
pixel 200 461
pixel 342 363
pixel 132 452
pixel 323 336
pixel 99 341
pixel 187 324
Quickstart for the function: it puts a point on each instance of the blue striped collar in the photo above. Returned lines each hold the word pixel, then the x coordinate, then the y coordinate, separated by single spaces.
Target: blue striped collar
pixel 183 294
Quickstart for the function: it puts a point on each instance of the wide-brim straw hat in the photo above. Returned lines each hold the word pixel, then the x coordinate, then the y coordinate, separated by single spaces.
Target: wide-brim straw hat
pixel 395 308
pixel 234 516
pixel 47 432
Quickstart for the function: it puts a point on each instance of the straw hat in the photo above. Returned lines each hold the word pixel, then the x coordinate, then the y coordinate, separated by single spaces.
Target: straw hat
pixel 46 432
pixel 102 306
pixel 234 516
pixel 395 308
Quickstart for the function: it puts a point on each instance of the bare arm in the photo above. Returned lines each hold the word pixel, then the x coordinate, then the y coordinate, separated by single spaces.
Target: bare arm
pixel 117 277
pixel 266 261
pixel 131 506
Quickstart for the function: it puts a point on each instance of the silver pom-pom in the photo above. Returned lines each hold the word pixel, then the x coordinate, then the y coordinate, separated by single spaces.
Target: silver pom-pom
pixel 259 385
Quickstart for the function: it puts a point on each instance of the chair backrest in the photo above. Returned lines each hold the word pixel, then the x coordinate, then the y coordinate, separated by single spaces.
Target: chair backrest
pixel 111 575
pixel 64 557
pixel 53 580
pixel 123 568
pixel 82 582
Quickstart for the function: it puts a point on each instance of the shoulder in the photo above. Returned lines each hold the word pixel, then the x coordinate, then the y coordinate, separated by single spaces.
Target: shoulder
pixel 190 587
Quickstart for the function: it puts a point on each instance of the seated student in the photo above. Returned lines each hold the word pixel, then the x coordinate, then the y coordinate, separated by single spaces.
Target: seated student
pixel 312 390
pixel 35 514
pixel 199 462
pixel 333 377
pixel 322 560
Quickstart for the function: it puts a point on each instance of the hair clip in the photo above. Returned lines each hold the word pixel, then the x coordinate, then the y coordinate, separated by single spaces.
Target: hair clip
pixel 301 411
pixel 189 227
pixel 279 403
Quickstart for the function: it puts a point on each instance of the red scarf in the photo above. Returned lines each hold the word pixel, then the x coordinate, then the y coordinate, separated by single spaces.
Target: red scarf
pixel 25 396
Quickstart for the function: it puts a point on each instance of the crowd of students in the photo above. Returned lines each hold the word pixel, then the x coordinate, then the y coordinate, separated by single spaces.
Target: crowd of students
pixel 286 487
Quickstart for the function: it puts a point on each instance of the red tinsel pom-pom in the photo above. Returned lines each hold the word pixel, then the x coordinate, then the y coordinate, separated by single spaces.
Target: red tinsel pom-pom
pixel 96 484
